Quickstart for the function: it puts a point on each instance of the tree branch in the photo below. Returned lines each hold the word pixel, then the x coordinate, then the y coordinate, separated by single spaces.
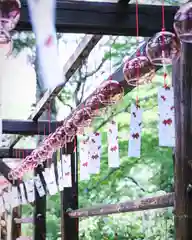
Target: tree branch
pixel 82 91
pixel 90 74
pixel 65 104
pixel 136 183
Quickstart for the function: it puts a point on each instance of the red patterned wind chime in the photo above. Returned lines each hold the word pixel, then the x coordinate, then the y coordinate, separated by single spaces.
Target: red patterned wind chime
pixel 161 50
pixel 137 71
pixel 9 17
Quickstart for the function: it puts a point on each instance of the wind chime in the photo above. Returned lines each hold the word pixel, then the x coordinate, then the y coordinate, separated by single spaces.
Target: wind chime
pixel 160 50
pixel 9 17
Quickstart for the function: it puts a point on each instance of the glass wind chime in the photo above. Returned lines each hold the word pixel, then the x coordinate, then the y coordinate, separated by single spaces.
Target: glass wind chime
pixel 160 50
pixel 9 17
pixel 90 145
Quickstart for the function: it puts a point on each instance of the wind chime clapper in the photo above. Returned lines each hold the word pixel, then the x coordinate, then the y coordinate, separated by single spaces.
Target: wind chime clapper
pixel 108 93
pixel 9 17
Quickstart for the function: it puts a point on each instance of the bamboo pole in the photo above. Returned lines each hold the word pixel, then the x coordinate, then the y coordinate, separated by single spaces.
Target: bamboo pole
pixel 162 201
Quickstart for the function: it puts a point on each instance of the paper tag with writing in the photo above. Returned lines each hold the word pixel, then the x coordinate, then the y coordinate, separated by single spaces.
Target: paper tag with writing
pixel 30 188
pixel 134 149
pixel 166 117
pixel 22 191
pixel 39 186
pixel 84 159
pixel 94 153
pixel 49 176
pixel 15 201
pixel 66 164
pixel 113 145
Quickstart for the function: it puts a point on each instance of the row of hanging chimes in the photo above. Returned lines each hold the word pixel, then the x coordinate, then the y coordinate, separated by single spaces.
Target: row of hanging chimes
pixel 91 149
pixel 26 192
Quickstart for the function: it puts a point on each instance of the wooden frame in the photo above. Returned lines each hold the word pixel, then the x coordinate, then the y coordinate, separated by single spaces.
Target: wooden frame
pixel 105 18
pixel 115 19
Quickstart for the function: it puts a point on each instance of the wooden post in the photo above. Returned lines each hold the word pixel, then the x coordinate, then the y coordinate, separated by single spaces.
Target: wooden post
pixel 182 78
pixel 69 199
pixel 16 228
pixel 39 213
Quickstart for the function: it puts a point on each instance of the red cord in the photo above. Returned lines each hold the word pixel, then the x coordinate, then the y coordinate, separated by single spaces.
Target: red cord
pixel 163 40
pixel 138 52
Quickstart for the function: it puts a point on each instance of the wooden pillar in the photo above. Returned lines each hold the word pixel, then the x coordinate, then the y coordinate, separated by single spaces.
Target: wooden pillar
pixel 69 199
pixel 16 227
pixel 182 78
pixel 39 213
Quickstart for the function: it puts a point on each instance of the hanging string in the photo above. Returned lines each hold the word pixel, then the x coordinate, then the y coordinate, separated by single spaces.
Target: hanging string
pixel 49 116
pixel 163 43
pixel 138 52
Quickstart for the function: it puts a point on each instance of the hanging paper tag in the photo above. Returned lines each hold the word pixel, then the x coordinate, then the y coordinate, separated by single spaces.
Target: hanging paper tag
pixel 166 117
pixel 39 186
pixel 49 176
pixel 42 15
pixel 113 146
pixel 94 153
pixel 30 188
pixel 2 207
pixel 15 201
pixel 7 200
pixel 66 164
pixel 84 159
pixel 135 132
pixel 60 176
pixel 22 191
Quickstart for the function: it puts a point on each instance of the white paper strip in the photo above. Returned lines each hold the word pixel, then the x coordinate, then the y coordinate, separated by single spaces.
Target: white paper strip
pixel 166 117
pixel 84 160
pixel 7 200
pixel 39 186
pixel 94 153
pixel 2 207
pixel 60 176
pixel 66 164
pixel 42 14
pixel 22 191
pixel 49 176
pixel 134 149
pixel 15 201
pixel 113 146
pixel 30 188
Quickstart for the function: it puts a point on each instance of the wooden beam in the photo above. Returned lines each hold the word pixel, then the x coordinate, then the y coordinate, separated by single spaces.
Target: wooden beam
pixel 105 18
pixel 29 127
pixel 80 54
pixel 182 72
pixel 162 201
pixel 69 200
